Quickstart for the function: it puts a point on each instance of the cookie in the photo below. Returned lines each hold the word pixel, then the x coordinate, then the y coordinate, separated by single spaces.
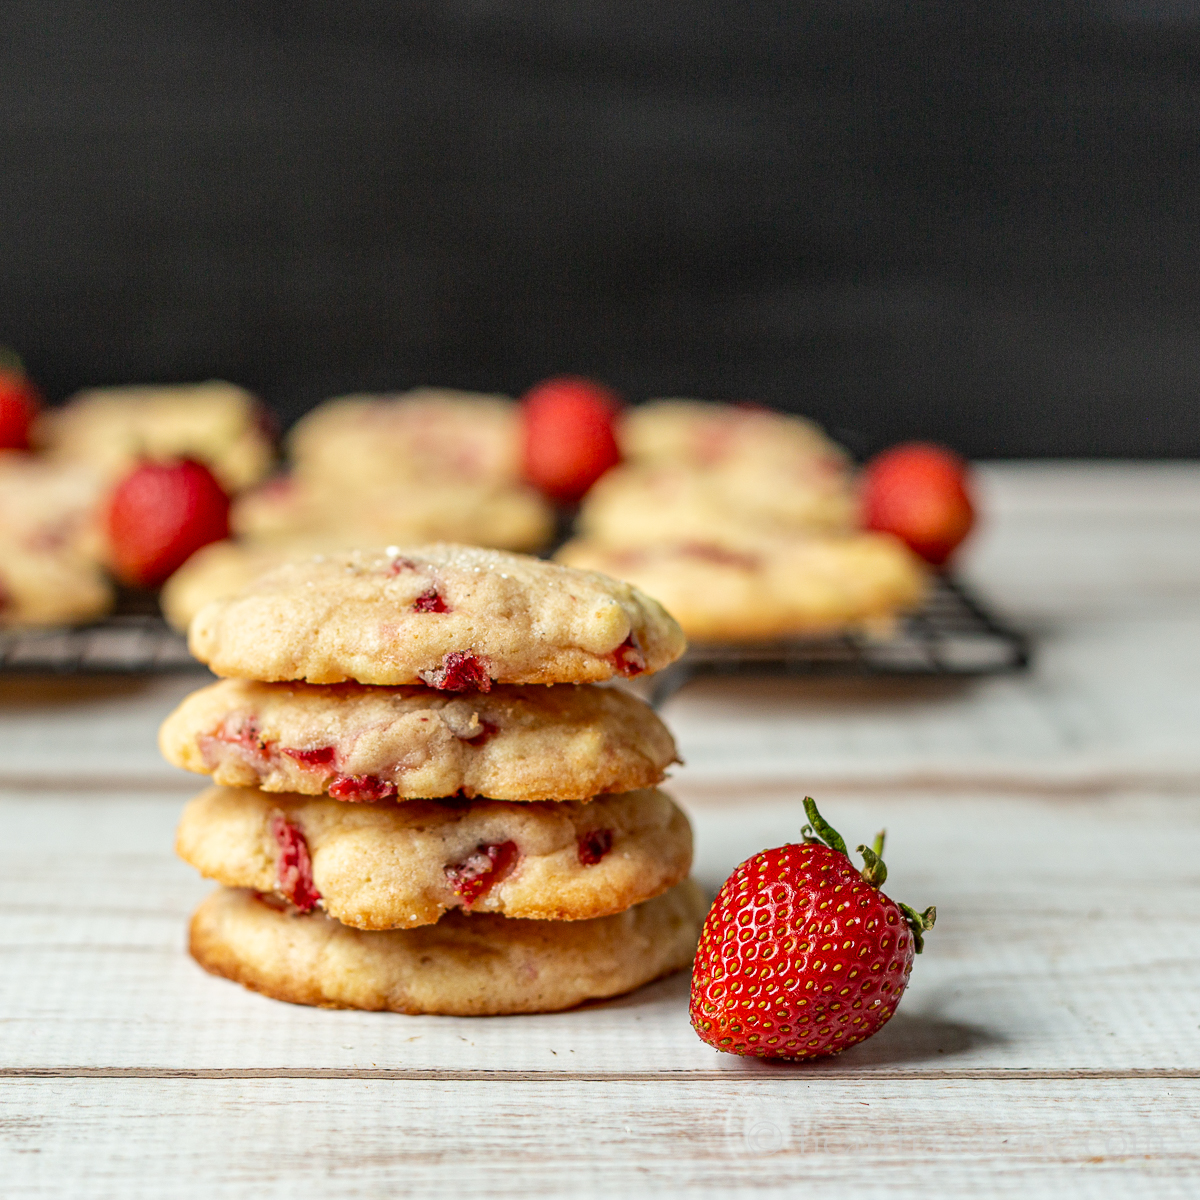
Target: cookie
pixel 462 966
pixel 50 506
pixel 112 429
pixel 426 434
pixel 222 569
pixel 47 586
pixel 704 434
pixel 358 742
pixel 454 617
pixel 651 504
pixel 771 587
pixel 397 512
pixel 396 865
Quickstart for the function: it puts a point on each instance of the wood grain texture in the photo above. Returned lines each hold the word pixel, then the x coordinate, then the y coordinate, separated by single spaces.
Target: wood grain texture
pixel 813 1137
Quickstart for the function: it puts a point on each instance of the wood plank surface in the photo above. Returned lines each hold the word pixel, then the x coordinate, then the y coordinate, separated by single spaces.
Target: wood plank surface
pixel 774 1137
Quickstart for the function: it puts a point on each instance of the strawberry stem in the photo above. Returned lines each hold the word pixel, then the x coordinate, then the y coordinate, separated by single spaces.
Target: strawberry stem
pixel 874 870
pixel 918 923
pixel 819 832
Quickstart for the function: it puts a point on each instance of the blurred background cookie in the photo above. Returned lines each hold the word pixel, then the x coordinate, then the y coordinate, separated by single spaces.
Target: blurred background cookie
pixel 113 429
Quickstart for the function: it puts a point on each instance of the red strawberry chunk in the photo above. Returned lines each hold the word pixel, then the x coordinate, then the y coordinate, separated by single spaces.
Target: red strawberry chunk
pixel 293 869
pixel 322 756
pixel 594 845
pixel 430 602
pixel 628 657
pixel 480 871
pixel 361 788
pixel 244 734
pixel 461 671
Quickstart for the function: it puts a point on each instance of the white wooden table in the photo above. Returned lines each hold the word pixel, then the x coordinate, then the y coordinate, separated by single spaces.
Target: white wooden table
pixel 1049 1042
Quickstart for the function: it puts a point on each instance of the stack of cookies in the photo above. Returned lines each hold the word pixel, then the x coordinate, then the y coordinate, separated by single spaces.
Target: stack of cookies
pixel 406 817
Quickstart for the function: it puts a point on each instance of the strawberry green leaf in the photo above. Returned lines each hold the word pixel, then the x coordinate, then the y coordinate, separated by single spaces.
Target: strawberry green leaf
pixel 819 831
pixel 874 870
pixel 918 923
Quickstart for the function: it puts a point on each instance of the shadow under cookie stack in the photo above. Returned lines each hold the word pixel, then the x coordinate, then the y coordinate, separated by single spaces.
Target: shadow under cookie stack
pixel 404 816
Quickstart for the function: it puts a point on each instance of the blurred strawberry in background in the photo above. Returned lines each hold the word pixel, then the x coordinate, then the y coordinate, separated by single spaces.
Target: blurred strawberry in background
pixel 159 515
pixel 921 493
pixel 568 438
pixel 19 402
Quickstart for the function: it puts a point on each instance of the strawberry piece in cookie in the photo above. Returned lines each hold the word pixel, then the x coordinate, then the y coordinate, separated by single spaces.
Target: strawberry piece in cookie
pixel 242 735
pixel 293 868
pixel 628 657
pixel 477 874
pixel 430 602
pixel 461 671
pixel 594 845
pixel 322 756
pixel 361 789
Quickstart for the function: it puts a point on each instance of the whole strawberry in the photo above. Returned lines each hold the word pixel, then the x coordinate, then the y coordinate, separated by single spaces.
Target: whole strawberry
pixel 801 954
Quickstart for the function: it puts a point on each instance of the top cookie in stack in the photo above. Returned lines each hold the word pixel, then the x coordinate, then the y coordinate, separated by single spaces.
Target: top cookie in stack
pixel 397 687
pixel 455 618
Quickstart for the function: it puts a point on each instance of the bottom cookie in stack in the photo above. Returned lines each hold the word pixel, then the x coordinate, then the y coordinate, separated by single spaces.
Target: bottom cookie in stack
pixel 476 908
pixel 465 966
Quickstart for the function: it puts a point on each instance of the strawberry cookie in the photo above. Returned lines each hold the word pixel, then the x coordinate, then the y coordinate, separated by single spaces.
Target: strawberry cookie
pixel 368 743
pixel 646 504
pixel 705 434
pixel 405 511
pixel 455 618
pixel 393 865
pixel 50 543
pixel 368 441
pixel 40 586
pixel 770 587
pixel 221 569
pixel 480 965
pixel 113 429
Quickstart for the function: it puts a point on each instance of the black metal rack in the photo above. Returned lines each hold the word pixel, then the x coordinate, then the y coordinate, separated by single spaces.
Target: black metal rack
pixel 124 644
pixel 953 634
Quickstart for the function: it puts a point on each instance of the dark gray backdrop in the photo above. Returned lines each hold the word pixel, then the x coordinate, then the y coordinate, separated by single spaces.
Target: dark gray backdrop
pixel 904 219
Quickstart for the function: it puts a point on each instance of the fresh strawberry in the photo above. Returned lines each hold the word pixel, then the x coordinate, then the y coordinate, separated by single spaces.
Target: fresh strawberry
pixel 567 426
pixel 921 493
pixel 159 515
pixel 19 403
pixel 801 954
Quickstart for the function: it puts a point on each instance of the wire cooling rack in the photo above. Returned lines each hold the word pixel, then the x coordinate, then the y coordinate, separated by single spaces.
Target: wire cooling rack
pixel 133 640
pixel 953 634
pixel 125 644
